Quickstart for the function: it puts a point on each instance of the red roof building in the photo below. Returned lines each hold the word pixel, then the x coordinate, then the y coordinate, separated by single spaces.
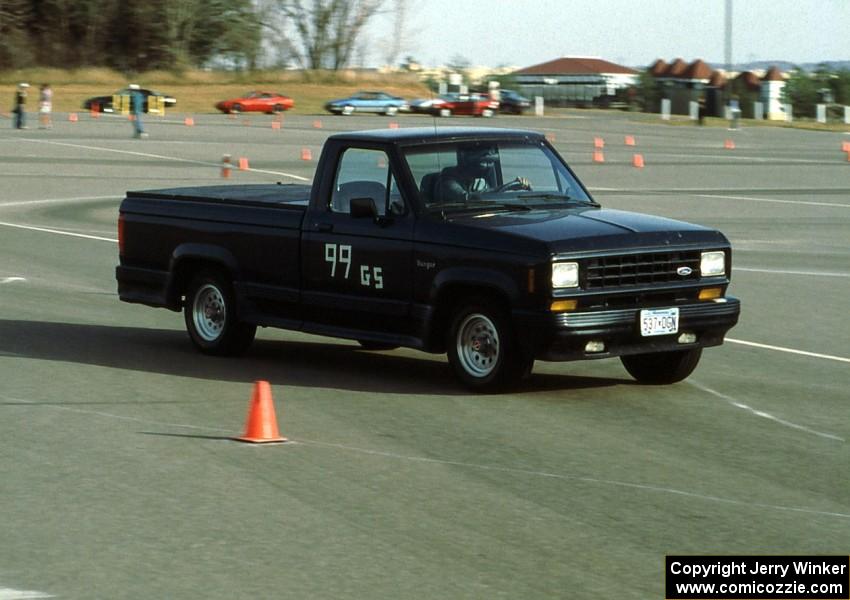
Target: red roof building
pixel 580 81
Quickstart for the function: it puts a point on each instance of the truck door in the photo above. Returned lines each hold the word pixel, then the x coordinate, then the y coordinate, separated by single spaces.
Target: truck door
pixel 356 265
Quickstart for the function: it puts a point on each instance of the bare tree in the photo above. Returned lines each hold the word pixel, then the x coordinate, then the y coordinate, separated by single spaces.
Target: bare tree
pixel 398 41
pixel 324 33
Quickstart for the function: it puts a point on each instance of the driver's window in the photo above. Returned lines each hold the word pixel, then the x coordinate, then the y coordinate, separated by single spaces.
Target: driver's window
pixel 365 173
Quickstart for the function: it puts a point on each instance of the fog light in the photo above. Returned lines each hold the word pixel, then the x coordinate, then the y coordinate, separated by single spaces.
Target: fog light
pixel 562 305
pixel 710 293
pixel 594 346
pixel 687 338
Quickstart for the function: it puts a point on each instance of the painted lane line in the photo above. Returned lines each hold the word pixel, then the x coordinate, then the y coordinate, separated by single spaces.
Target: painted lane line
pixel 789 350
pixel 785 272
pixel 773 200
pixel 56 201
pixel 157 156
pixel 11 279
pixel 437 461
pixel 766 415
pixel 10 594
pixel 583 479
pixel 59 232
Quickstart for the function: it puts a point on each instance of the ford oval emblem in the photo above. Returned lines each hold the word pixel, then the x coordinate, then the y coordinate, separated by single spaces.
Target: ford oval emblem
pixel 684 271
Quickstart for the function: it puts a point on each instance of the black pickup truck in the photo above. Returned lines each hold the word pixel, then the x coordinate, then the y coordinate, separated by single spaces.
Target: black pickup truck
pixel 476 242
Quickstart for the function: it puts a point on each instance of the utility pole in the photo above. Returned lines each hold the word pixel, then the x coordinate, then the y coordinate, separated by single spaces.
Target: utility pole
pixel 727 50
pixel 728 37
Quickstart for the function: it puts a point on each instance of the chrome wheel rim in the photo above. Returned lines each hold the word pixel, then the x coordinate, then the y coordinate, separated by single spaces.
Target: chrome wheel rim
pixel 209 312
pixel 478 345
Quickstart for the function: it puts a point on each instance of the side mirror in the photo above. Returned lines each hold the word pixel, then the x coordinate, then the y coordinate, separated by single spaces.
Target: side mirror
pixel 363 208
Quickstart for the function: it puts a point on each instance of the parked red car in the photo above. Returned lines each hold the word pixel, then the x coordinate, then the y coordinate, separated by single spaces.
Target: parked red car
pixel 267 102
pixel 477 105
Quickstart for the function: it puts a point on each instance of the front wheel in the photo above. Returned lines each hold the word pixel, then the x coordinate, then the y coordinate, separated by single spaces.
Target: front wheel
pixel 482 348
pixel 236 109
pixel 210 316
pixel 662 368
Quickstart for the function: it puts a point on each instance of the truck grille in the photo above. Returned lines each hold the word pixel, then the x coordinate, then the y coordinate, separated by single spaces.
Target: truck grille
pixel 641 269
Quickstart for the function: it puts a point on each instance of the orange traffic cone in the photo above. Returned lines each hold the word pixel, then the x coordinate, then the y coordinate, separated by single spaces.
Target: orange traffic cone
pixel 550 137
pixel 317 124
pixel 243 163
pixel 306 154
pixel 845 146
pixel 630 140
pixel 226 167
pixel 729 145
pixel 393 125
pixel 189 122
pixel 261 424
pixel 598 157
pixel 275 124
pixel 637 161
pixel 598 142
pixel 72 117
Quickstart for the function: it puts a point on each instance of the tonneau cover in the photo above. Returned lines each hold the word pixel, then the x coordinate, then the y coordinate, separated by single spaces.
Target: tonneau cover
pixel 294 195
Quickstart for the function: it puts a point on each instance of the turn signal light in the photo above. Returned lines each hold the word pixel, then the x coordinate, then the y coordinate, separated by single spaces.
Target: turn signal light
pixel 563 305
pixel 710 293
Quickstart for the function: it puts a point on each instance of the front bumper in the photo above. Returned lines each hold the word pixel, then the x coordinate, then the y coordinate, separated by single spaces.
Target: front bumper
pixel 563 336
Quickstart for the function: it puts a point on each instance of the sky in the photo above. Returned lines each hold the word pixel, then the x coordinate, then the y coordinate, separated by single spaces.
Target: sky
pixel 628 32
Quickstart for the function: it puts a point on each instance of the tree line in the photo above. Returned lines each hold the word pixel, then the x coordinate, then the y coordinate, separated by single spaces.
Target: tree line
pixel 177 34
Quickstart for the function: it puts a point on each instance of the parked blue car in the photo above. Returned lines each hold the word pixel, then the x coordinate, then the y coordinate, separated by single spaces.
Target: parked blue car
pixel 372 102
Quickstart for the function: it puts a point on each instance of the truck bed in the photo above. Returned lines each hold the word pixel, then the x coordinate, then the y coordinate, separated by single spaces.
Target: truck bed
pixel 291 196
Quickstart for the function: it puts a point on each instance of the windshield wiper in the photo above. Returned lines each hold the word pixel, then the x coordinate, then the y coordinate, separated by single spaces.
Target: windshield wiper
pixel 478 206
pixel 547 196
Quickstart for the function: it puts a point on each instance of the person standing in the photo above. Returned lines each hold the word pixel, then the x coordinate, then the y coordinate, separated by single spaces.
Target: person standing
pixel 20 106
pixel 137 107
pixel 45 107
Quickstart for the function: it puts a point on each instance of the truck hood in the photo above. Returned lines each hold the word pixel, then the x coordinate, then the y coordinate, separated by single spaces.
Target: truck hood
pixel 592 229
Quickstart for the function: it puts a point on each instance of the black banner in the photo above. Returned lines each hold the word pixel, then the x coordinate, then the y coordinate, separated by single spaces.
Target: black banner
pixel 757 577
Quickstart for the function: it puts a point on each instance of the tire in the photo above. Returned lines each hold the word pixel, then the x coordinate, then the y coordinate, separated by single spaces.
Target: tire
pixel 277 109
pixel 236 109
pixel 347 110
pixel 367 345
pixel 487 113
pixel 445 112
pixel 482 347
pixel 210 316
pixel 662 368
pixel 391 111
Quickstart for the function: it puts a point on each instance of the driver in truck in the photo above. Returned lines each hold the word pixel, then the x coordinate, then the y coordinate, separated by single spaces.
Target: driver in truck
pixel 475 173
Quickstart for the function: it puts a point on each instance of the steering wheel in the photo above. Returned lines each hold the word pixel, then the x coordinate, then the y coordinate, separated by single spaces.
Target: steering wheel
pixel 520 183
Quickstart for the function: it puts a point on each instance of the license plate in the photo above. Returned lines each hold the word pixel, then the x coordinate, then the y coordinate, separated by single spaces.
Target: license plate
pixel 661 321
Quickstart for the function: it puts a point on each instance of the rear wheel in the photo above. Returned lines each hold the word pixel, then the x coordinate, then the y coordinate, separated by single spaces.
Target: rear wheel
pixel 210 316
pixel 482 347
pixel 348 110
pixel 236 109
pixel 278 108
pixel 487 113
pixel 445 112
pixel 661 368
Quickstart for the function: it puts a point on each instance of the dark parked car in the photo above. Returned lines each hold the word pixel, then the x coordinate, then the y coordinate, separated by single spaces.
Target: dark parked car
pixel 512 102
pixel 104 103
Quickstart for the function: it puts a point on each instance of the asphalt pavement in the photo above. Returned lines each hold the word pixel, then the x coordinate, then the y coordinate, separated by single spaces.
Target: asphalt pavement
pixel 119 479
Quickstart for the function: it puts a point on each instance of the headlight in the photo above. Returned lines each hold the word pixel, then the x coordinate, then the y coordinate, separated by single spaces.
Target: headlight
pixel 712 264
pixel 564 275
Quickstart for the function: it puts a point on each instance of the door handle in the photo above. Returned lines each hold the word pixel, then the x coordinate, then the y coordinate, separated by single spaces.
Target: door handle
pixel 325 227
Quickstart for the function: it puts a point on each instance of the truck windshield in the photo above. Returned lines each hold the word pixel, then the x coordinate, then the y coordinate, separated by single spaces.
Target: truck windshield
pixel 493 174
